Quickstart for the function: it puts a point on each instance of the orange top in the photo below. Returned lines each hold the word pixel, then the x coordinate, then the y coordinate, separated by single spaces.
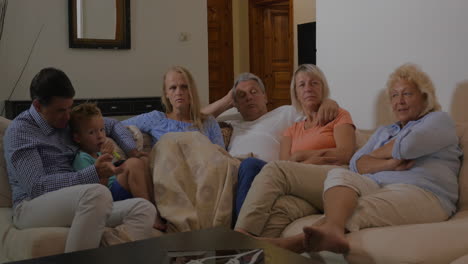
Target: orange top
pixel 318 137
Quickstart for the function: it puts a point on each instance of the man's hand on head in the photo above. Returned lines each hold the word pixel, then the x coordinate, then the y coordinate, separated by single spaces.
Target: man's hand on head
pixel 327 112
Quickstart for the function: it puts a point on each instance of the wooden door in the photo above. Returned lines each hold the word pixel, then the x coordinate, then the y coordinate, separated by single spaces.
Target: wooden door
pixel 220 48
pixel 271 47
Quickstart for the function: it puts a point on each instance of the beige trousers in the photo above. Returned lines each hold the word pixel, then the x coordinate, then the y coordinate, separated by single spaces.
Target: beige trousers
pixel 272 202
pixel 393 204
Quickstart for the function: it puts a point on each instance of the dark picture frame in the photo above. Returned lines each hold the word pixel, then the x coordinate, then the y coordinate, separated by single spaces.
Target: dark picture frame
pixel 122 36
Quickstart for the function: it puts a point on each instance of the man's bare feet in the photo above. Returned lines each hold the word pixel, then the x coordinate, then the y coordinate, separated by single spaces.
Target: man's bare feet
pixel 160 224
pixel 325 237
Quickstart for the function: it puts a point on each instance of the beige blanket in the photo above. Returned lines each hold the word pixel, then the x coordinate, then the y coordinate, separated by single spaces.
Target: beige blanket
pixel 194 181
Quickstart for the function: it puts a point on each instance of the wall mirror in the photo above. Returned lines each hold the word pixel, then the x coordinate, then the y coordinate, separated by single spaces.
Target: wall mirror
pixel 99 24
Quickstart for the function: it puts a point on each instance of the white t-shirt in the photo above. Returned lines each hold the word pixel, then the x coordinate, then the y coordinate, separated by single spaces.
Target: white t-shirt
pixel 262 136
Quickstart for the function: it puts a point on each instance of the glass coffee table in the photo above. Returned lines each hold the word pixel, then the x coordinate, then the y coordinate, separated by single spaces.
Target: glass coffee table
pixel 209 246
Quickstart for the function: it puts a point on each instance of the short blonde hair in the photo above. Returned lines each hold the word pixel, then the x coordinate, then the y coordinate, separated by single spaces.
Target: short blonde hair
pixel 412 73
pixel 82 112
pixel 315 71
pixel 195 113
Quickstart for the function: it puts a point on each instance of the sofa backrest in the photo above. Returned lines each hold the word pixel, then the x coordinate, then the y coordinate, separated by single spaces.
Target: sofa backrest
pixel 5 191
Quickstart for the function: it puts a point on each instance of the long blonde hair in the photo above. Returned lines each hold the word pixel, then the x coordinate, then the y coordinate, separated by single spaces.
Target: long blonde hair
pixel 196 115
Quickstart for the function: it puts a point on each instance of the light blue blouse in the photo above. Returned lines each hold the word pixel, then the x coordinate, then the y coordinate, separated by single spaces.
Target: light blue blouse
pixel 433 143
pixel 157 124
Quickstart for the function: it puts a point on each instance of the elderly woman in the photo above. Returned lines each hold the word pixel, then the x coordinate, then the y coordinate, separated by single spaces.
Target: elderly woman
pixel 405 174
pixel 182 106
pixel 307 141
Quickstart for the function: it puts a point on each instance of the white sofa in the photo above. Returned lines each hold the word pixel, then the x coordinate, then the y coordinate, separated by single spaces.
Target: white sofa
pixel 445 242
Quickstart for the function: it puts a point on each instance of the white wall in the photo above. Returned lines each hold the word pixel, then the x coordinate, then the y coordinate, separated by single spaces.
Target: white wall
pixel 304 12
pixel 359 43
pixel 155 27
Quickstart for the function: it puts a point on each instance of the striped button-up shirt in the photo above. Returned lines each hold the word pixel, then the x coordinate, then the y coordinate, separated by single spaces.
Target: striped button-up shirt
pixel 39 157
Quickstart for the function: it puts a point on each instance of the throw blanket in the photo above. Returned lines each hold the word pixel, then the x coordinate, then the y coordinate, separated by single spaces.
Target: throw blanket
pixel 194 181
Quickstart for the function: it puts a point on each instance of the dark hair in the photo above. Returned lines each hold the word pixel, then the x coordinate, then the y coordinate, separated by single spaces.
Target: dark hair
pixel 48 83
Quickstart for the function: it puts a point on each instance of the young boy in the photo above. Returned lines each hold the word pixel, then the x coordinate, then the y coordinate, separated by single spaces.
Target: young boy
pixel 87 127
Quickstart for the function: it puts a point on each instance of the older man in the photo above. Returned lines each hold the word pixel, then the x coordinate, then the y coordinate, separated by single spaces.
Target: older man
pixel 259 131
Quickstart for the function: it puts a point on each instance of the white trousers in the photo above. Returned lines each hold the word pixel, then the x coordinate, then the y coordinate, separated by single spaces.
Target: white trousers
pixel 87 209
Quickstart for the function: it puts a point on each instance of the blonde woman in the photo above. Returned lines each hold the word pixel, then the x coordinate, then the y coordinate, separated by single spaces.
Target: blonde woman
pixel 182 110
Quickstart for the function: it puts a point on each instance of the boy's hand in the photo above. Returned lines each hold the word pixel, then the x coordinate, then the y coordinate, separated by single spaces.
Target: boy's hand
pixel 105 168
pixel 107 147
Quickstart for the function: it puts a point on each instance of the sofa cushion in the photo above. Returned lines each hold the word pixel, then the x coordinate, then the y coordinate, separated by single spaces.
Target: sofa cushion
pixel 422 243
pixel 461 260
pixel 5 191
pixel 29 243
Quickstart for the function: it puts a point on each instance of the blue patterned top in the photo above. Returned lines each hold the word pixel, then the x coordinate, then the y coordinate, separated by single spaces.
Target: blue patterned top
pixel 432 143
pixel 39 157
pixel 157 124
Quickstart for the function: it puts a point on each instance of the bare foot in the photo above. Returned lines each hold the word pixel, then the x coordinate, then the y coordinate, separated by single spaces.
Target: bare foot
pixel 294 243
pixel 324 237
pixel 160 224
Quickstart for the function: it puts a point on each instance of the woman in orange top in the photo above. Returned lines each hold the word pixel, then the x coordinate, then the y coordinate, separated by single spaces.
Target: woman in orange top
pixel 306 141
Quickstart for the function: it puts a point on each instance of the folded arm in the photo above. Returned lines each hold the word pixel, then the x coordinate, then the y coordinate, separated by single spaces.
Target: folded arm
pixel 370 164
pixel 341 154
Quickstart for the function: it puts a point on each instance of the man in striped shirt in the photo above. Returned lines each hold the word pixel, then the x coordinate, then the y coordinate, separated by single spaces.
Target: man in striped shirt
pixel 47 192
